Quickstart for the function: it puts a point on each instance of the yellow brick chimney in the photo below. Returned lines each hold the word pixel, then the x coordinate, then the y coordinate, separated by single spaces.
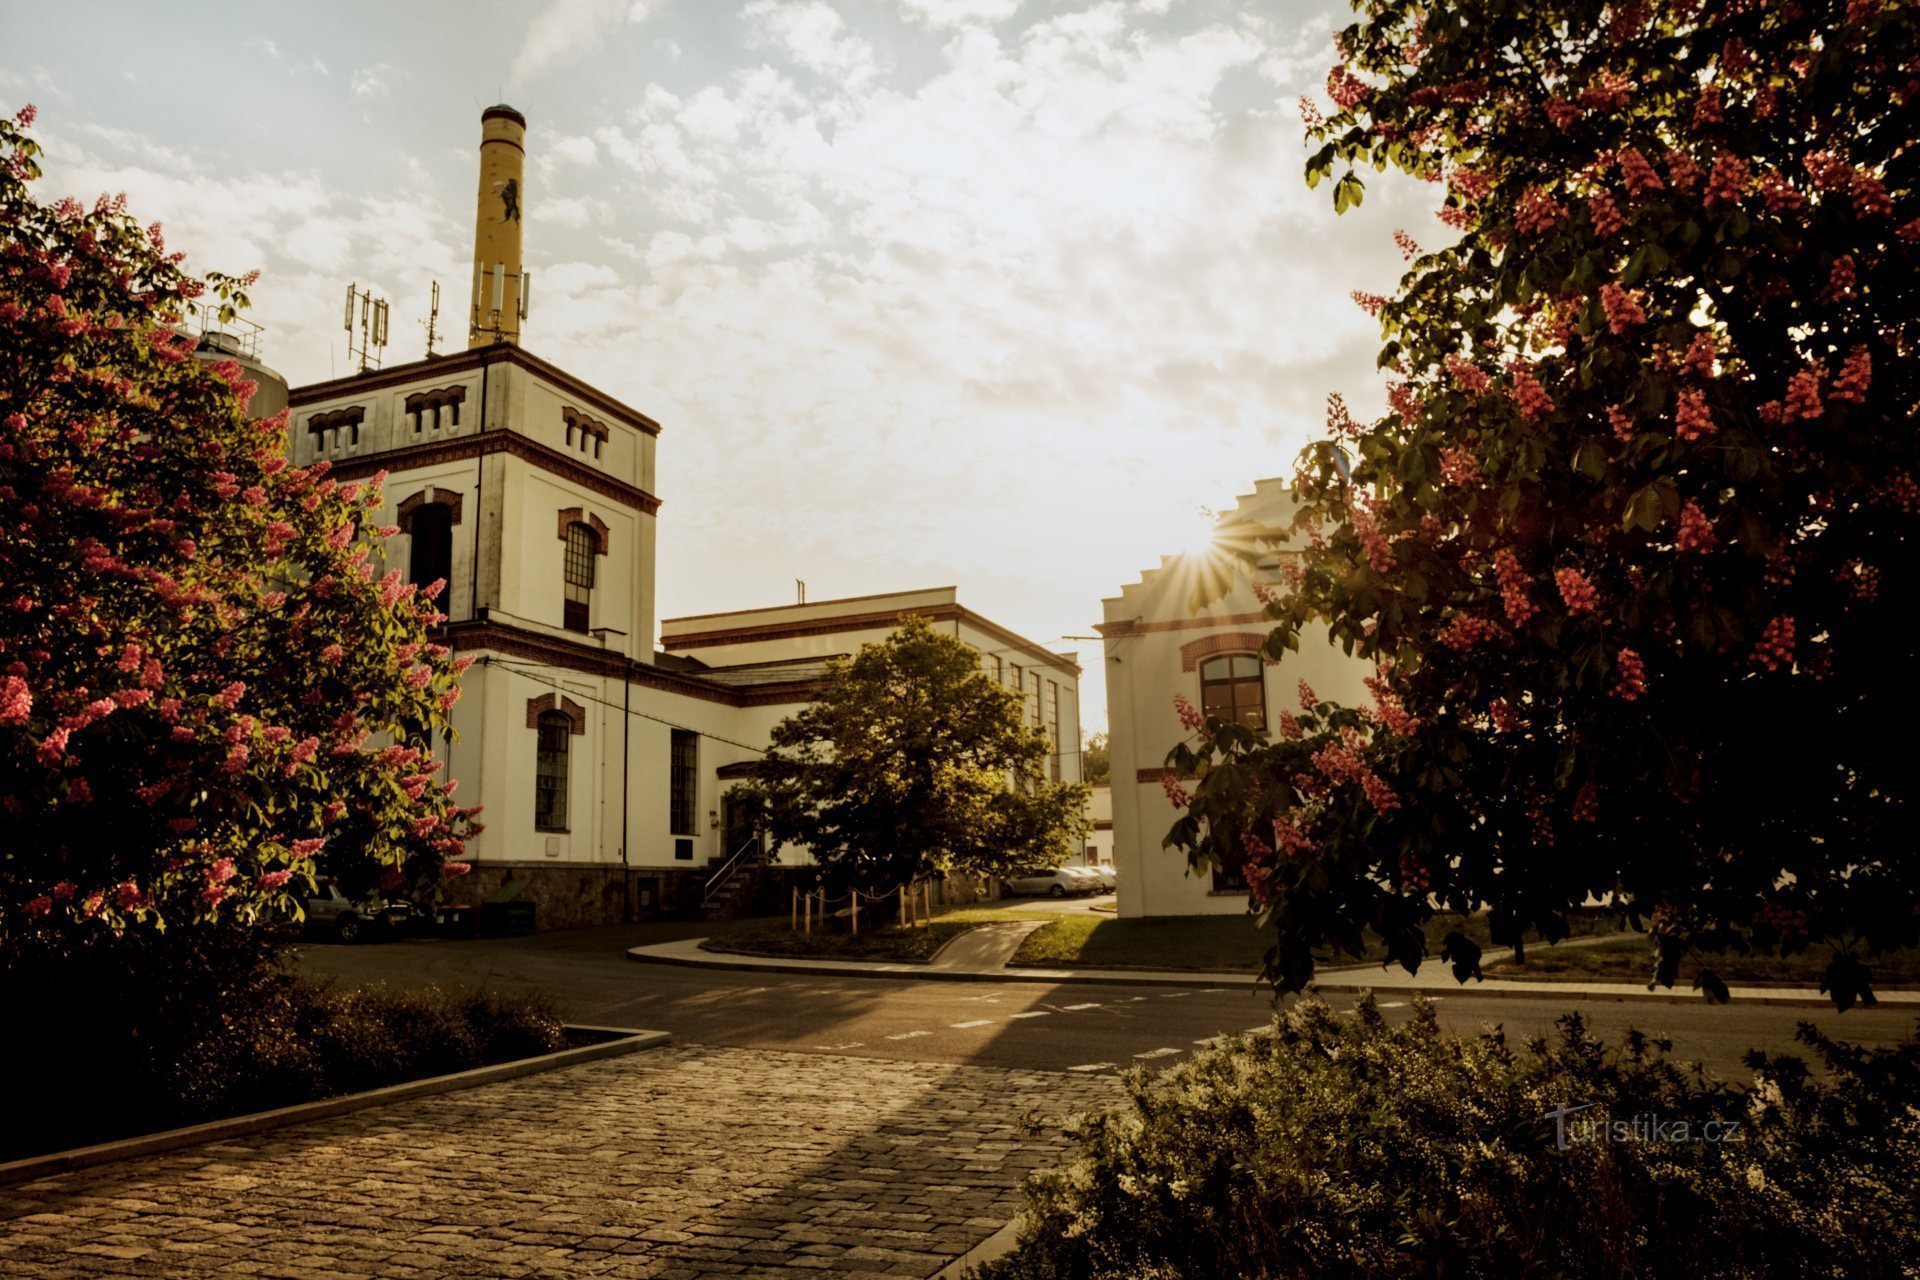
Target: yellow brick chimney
pixel 499 283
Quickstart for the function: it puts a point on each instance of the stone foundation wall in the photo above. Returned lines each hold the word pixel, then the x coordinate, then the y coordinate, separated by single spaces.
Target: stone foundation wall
pixel 572 896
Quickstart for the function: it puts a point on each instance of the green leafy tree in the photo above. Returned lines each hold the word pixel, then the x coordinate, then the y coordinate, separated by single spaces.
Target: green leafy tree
pixel 1097 762
pixel 205 690
pixel 913 763
pixel 1631 546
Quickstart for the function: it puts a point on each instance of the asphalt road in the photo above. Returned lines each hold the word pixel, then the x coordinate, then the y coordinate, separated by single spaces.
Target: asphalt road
pixel 1063 1027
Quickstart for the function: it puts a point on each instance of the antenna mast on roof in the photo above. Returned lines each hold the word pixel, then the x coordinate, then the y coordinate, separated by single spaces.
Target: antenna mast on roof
pixel 800 587
pixel 372 327
pixel 433 320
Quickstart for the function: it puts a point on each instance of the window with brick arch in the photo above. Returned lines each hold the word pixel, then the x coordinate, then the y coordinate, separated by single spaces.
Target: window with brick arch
pixel 1231 687
pixel 581 546
pixel 550 771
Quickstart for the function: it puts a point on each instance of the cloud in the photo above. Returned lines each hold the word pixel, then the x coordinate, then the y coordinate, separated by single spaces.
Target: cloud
pixel 564 29
pixel 371 82
pixel 814 36
pixel 957 13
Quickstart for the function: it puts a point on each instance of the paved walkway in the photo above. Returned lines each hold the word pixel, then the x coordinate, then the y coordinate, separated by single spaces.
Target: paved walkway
pixel 1434 978
pixel 989 946
pixel 672 1164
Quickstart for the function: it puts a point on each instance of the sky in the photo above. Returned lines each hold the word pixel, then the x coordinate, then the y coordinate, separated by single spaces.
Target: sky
pixel 1001 294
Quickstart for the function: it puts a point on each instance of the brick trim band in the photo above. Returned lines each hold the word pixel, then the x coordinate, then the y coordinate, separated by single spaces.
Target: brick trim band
pixel 436 497
pixel 573 711
pixel 578 515
pixel 1228 642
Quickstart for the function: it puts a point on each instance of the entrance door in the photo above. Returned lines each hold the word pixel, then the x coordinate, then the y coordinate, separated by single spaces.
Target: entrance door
pixel 736 826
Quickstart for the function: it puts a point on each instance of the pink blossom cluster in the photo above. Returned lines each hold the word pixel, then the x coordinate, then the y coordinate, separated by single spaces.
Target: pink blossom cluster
pixel 1780 195
pixel 1373 542
pixel 1177 795
pixel 1609 91
pixel 1707 110
pixel 1775 649
pixel 1409 247
pixel 1564 114
pixel 1414 876
pixel 1702 353
pixel 1691 417
pixel 1515 587
pixel 1586 803
pixel 1467 375
pixel 1307 697
pixel 1190 717
pixel 1537 211
pixel 1290 839
pixel 1856 377
pixel 1622 423
pixel 1803 394
pixel 1310 115
pixel 1637 173
pixel 1606 215
pixel 1622 307
pixel 1527 392
pixel 1458 466
pixel 1465 630
pixel 1727 181
pixel 1346 89
pixel 1502 713
pixel 1371 303
pixel 16 701
pixel 1696 530
pixel 1289 726
pixel 1841 279
pixel 1632 672
pixel 1578 593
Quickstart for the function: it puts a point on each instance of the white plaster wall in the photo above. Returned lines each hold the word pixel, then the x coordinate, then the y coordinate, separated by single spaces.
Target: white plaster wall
pixel 1144 674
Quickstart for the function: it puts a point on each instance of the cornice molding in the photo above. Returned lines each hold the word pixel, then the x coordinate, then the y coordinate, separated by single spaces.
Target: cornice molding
pixel 481 444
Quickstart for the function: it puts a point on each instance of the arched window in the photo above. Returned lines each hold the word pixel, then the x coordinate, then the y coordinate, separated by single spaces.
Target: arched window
pixel 550 771
pixel 431 529
pixel 581 546
pixel 1231 688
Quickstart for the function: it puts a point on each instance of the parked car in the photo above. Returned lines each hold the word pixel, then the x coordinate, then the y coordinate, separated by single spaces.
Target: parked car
pixel 1056 882
pixel 1089 878
pixel 1109 880
pixel 329 910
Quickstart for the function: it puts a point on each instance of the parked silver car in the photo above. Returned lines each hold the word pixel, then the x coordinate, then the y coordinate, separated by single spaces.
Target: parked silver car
pixel 1109 881
pixel 330 910
pixel 1056 882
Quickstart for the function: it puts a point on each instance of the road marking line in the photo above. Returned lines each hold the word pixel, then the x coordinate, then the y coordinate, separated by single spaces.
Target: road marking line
pixel 1075 1008
pixel 834 1048
pixel 1174 995
pixel 1264 1029
pixel 977 1022
pixel 1091 1066
pixel 910 1035
pixel 1211 1041
pixel 1157 1053
pixel 1393 1004
pixel 1032 1013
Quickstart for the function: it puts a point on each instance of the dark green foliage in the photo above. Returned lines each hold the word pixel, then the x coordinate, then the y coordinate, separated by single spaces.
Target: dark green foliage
pixel 151 1032
pixel 1343 1146
pixel 912 764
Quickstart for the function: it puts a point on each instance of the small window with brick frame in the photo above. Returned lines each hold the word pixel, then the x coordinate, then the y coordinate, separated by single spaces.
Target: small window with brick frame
pixel 581 546
pixel 550 771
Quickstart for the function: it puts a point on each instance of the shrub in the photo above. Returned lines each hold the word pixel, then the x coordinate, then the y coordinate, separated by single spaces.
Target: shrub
pixel 1343 1146
pixel 272 1040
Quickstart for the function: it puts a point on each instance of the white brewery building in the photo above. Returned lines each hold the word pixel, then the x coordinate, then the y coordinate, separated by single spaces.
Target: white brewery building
pixel 604 763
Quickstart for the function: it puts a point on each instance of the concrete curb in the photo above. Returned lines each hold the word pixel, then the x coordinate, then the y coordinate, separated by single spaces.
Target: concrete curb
pixel 627 1041
pixel 1342 981
pixel 996 1245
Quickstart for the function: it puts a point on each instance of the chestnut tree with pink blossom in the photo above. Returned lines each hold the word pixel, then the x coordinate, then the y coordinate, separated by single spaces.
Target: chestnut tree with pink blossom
pixel 206 689
pixel 1634 548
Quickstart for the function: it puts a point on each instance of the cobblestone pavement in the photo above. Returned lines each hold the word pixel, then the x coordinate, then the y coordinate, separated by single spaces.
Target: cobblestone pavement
pixel 681 1162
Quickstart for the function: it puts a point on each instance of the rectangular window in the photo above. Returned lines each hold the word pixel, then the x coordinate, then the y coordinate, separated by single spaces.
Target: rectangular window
pixel 994 668
pixel 683 780
pixel 550 772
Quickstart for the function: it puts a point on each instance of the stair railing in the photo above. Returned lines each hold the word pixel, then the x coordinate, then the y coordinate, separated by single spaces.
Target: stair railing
pixel 728 869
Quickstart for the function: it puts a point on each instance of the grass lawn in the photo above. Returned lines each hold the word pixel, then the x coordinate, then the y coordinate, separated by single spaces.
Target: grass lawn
pixel 1629 958
pixel 1212 942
